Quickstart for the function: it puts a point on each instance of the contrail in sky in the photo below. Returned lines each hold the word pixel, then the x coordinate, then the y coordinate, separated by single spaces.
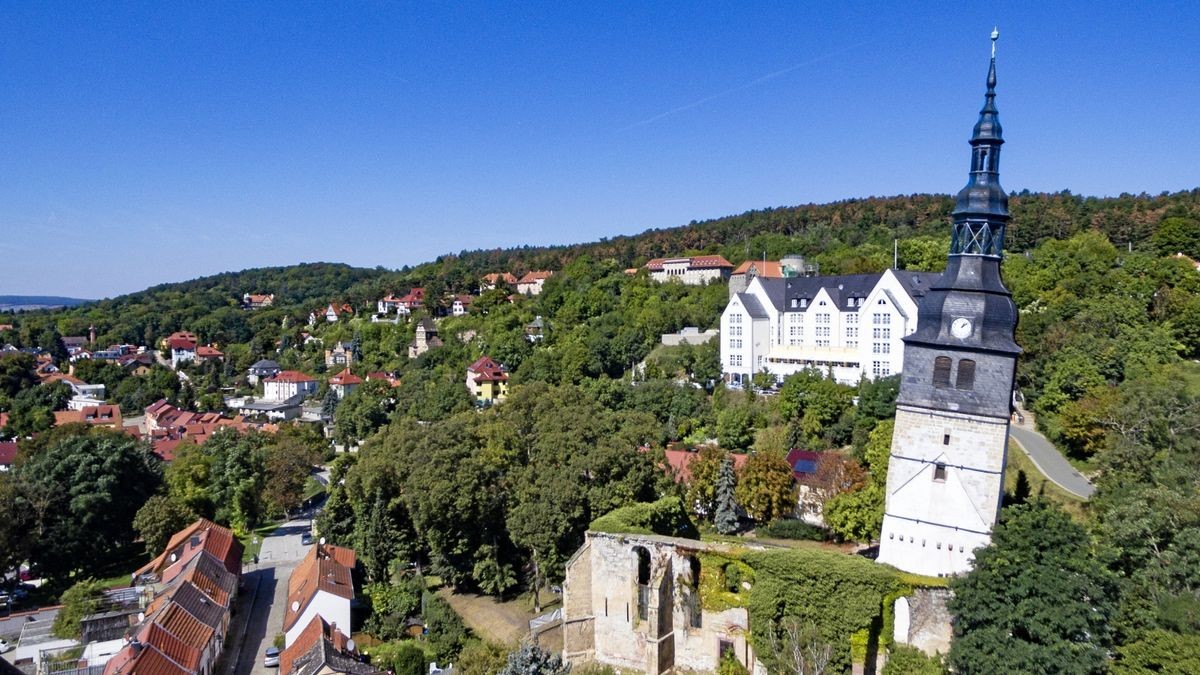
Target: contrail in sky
pixel 752 83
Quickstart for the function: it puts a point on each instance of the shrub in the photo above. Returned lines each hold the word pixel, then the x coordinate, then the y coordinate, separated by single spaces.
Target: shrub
pixel 787 528
pixel 906 660
pixel 666 517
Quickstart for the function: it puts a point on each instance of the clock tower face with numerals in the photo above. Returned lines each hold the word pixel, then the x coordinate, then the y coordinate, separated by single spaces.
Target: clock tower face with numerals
pixel 946 471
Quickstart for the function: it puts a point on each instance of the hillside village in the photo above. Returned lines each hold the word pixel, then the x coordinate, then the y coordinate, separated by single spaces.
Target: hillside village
pixel 829 458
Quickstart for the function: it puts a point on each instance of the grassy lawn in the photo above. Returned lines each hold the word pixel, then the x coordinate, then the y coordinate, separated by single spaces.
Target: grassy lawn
pixel 1020 464
pixel 248 542
pixel 313 488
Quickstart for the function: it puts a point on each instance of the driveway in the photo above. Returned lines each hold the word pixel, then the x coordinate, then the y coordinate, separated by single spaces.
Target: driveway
pixel 1050 461
pixel 263 599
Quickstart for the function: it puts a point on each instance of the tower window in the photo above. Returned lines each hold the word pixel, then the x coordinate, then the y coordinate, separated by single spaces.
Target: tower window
pixel 939 473
pixel 945 439
pixel 941 371
pixel 966 375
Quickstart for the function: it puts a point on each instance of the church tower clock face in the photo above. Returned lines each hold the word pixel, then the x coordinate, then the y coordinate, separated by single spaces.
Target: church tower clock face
pixel 961 328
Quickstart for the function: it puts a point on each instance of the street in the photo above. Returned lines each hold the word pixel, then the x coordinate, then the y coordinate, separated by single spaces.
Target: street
pixel 263 598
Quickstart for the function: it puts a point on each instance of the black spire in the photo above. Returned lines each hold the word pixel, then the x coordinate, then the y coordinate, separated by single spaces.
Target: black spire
pixel 981 208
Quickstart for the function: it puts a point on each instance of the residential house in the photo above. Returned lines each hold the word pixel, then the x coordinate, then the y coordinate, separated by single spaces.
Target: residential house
pixel 490 281
pixel 287 384
pixel 8 450
pixel 425 337
pixel 257 301
pixel 94 415
pixel 487 380
pixel 74 344
pixel 693 271
pixel 322 585
pixel 323 648
pixel 342 354
pixel 331 313
pixel 262 370
pixel 532 282
pixel 344 383
pixel 810 500
pixel 389 304
pixel 206 353
pixel 535 330
pixel 183 628
pixel 411 302
pixel 679 462
pixel 182 350
pixel 390 378
pixel 461 305
pixel 788 266
pixel 851 326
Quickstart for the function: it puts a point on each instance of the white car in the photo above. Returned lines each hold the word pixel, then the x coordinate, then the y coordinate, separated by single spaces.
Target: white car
pixel 5 646
pixel 271 658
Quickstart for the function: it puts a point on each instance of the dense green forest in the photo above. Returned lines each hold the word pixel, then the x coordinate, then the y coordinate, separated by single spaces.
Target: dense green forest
pixel 496 499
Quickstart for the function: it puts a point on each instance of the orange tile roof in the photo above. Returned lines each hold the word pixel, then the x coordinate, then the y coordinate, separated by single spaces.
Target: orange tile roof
pixel 216 540
pixel 149 661
pixel 537 275
pixel 323 568
pixel 290 376
pixel 770 269
pixel 487 370
pixel 304 642
pixel 345 377
pixel 180 652
pixel 696 262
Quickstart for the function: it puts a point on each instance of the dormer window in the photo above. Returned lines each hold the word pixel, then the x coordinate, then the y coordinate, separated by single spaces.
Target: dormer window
pixel 795 303
pixel 804 302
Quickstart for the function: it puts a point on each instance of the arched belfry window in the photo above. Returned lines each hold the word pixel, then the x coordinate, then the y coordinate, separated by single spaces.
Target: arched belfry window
pixel 941 371
pixel 966 375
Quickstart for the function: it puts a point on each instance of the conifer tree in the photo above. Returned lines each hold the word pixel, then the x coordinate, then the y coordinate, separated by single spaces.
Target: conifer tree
pixel 330 403
pixel 726 518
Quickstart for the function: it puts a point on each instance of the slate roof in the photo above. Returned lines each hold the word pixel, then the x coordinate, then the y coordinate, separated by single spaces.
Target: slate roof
pixel 840 288
pixel 753 307
pixel 265 364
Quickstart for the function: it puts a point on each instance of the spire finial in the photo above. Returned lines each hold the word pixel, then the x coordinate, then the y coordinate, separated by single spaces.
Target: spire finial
pixel 995 36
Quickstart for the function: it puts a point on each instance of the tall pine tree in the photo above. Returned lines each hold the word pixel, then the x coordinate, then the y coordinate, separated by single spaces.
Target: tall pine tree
pixel 726 518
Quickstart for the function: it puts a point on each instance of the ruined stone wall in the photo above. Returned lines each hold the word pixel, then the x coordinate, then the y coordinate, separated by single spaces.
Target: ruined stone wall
pixel 923 621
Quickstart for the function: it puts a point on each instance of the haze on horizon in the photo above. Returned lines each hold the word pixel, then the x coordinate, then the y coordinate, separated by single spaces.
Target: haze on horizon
pixel 147 143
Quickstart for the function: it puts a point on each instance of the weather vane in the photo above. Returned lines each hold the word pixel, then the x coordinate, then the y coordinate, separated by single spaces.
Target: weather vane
pixel 995 36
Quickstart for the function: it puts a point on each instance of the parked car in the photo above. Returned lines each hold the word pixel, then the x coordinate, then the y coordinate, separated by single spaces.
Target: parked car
pixel 5 646
pixel 306 538
pixel 271 659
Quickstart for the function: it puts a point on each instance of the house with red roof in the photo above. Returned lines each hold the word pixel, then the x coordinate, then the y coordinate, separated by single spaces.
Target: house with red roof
pixel 8 451
pixel 487 380
pixel 206 353
pixel 257 300
pixel 461 305
pixel 532 282
pixel 92 415
pixel 322 585
pixel 288 384
pixel 693 271
pixel 323 648
pixel 490 281
pixel 344 383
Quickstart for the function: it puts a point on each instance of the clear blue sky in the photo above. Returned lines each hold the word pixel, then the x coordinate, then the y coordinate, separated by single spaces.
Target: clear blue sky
pixel 149 142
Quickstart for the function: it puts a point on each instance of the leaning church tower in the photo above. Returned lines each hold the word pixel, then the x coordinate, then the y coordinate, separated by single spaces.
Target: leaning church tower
pixel 946 471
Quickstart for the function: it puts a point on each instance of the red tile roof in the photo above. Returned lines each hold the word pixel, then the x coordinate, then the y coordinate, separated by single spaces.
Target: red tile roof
pixel 95 415
pixel 325 568
pixel 534 276
pixel 304 642
pixel 345 378
pixel 149 661
pixel 680 461
pixel 769 269
pixel 181 344
pixel 218 541
pixel 206 352
pixel 487 370
pixel 496 277
pixel 8 450
pixel 695 262
pixel 290 376
pixel 183 654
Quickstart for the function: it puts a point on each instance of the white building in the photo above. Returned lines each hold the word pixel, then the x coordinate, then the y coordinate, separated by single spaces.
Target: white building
pixel 850 325
pixel 321 585
pixel 693 271
pixel 286 384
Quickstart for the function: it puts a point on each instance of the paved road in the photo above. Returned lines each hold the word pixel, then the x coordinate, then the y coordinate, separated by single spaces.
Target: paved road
pixel 1048 459
pixel 264 596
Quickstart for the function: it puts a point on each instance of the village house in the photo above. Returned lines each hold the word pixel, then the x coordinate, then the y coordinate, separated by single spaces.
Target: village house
pixel 390 378
pixel 262 370
pixel 461 305
pixel 490 281
pixel 206 353
pixel 183 628
pixel 94 415
pixel 323 648
pixel 342 354
pixel 487 380
pixel 532 282
pixel 257 301
pixel 182 347
pixel 288 384
pixel 8 449
pixel 344 383
pixel 425 337
pixel 535 330
pixel 331 313
pixel 850 326
pixel 693 271
pixel 322 585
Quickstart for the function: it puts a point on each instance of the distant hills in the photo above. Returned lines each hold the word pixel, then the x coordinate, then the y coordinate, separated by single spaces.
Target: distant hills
pixel 25 303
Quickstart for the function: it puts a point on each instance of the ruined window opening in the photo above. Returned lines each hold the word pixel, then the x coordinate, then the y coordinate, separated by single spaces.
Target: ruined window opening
pixel 941 371
pixel 643 582
pixel 939 473
pixel 694 608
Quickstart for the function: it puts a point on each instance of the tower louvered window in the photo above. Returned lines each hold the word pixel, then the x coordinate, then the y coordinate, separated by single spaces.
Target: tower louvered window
pixel 941 371
pixel 966 375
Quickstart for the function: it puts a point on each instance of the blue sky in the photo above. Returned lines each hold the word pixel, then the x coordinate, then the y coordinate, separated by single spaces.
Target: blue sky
pixel 153 142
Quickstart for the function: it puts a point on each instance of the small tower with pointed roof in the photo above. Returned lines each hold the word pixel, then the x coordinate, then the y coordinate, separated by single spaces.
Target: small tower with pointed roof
pixel 946 470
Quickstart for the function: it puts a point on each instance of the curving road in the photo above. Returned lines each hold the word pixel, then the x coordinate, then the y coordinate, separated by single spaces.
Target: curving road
pixel 1050 462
